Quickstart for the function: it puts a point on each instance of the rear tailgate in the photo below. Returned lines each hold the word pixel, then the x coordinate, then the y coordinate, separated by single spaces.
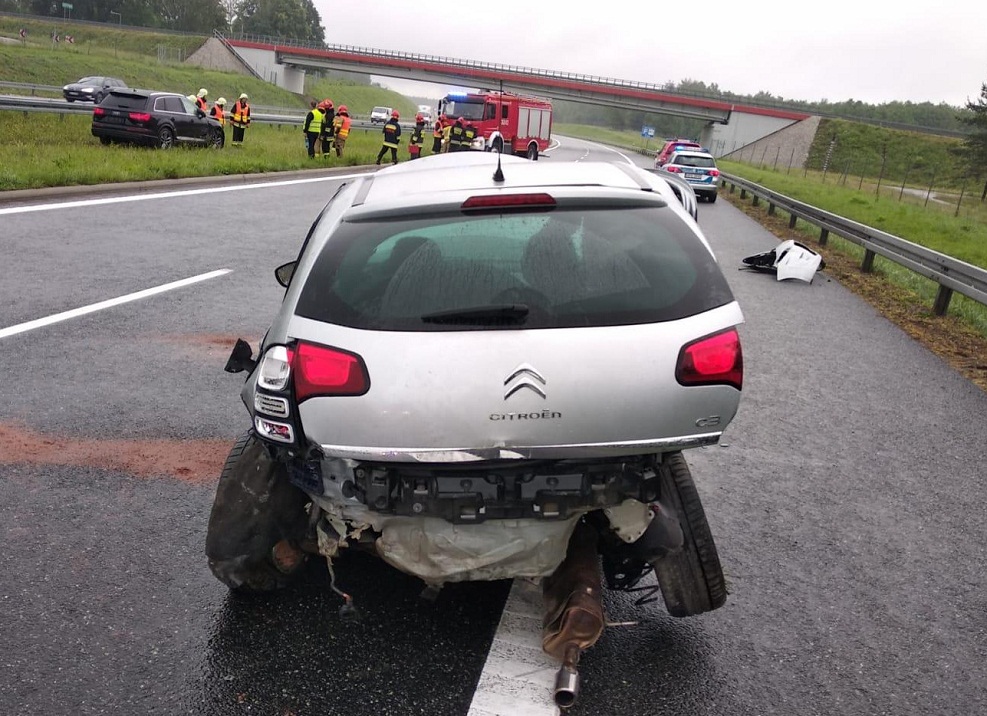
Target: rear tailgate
pixel 573 392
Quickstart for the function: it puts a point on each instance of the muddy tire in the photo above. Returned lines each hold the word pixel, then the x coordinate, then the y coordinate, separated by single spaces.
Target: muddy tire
pixel 691 579
pixel 532 152
pixel 255 509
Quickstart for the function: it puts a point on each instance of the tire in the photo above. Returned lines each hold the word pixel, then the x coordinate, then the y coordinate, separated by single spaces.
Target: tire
pixel 218 139
pixel 104 140
pixel 98 98
pixel 255 509
pixel 711 198
pixel 532 152
pixel 691 579
pixel 166 137
pixel 70 100
pixel 497 146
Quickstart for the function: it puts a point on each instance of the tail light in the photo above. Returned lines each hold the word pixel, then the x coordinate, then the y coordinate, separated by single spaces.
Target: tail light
pixel 139 117
pixel 672 168
pixel 98 112
pixel 323 371
pixel 713 360
pixel 714 172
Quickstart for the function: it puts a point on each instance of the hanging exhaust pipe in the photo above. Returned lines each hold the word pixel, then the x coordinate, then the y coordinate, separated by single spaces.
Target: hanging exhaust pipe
pixel 567 680
pixel 573 620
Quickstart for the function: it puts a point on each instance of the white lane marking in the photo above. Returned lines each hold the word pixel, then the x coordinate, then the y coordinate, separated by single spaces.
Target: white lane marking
pixel 166 194
pixel 518 677
pixel 92 308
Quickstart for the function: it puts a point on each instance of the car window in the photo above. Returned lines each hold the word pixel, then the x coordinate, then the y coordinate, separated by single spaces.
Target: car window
pixel 570 267
pixel 129 102
pixel 686 160
pixel 89 81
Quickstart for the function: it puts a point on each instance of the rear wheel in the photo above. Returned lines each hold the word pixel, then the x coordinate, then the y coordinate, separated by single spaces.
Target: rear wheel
pixel 691 579
pixel 532 152
pixel 166 138
pixel 98 98
pixel 257 514
pixel 218 139
pixel 497 146
pixel 711 198
pixel 104 140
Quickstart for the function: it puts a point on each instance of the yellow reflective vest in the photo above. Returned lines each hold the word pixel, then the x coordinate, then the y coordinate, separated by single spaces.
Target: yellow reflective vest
pixel 240 116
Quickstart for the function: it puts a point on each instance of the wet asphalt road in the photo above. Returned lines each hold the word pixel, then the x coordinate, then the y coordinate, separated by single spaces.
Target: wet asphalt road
pixel 847 501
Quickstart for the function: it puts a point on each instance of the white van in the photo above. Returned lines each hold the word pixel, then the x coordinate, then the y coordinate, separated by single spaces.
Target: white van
pixel 380 114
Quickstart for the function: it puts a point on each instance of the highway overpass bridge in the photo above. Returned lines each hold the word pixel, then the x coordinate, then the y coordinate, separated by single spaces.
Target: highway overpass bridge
pixel 728 127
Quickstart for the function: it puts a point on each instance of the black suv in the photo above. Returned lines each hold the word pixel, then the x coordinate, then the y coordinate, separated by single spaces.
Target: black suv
pixel 159 119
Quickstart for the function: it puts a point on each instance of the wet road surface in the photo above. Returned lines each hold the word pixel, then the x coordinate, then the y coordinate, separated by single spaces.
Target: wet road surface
pixel 847 501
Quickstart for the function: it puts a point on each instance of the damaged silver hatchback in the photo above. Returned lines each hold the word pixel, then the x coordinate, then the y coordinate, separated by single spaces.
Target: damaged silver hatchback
pixel 487 368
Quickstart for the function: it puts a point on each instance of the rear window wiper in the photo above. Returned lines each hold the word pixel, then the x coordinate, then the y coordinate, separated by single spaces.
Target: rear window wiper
pixel 481 315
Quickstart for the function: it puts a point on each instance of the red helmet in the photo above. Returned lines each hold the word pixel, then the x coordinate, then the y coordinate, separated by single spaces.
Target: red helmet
pixel 395 114
pixel 342 109
pixel 419 117
pixel 460 120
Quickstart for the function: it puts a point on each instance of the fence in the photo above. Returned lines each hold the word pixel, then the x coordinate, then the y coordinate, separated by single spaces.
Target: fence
pixel 905 176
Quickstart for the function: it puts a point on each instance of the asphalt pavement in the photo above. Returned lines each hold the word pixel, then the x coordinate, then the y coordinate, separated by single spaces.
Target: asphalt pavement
pixel 846 499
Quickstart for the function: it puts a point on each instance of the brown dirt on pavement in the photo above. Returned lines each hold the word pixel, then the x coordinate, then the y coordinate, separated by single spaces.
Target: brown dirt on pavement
pixel 198 462
pixel 952 339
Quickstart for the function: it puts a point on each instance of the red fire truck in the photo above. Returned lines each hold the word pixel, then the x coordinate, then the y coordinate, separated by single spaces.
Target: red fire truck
pixel 506 122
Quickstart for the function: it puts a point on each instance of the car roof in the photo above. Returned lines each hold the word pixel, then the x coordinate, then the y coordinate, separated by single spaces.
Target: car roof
pixel 129 91
pixel 461 173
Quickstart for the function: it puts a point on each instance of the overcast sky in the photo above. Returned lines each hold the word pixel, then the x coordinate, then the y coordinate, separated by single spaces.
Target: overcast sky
pixel 874 51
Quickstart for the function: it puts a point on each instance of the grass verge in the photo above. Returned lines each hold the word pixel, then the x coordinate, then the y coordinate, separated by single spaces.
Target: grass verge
pixel 43 150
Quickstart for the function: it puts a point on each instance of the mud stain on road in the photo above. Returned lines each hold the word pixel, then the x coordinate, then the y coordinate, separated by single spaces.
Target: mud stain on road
pixel 211 345
pixel 198 462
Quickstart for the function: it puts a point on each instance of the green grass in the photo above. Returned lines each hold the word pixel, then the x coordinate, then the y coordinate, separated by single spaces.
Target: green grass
pixel 133 57
pixel 43 150
pixel 91 38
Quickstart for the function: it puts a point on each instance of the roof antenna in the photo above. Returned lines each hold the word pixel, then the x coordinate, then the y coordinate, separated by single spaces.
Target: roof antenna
pixel 499 174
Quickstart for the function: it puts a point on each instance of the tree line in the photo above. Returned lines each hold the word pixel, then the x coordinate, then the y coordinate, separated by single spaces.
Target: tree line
pixel 297 19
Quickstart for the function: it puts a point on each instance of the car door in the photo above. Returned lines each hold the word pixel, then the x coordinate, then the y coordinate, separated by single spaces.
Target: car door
pixel 173 110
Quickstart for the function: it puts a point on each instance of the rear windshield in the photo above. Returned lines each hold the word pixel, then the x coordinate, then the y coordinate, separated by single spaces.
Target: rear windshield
pixel 547 270
pixel 128 102
pixel 686 160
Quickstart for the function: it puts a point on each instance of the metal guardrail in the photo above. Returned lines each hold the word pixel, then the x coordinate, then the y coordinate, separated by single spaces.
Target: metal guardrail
pixel 258 113
pixel 951 274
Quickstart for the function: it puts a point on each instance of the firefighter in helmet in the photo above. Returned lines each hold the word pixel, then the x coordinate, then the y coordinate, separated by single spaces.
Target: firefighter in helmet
pixel 456 134
pixel 392 136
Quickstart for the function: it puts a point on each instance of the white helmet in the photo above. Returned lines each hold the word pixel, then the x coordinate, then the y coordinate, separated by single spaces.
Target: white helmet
pixel 203 92
pixel 221 101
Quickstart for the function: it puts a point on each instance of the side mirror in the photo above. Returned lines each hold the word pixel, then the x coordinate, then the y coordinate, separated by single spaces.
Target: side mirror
pixel 284 272
pixel 199 113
